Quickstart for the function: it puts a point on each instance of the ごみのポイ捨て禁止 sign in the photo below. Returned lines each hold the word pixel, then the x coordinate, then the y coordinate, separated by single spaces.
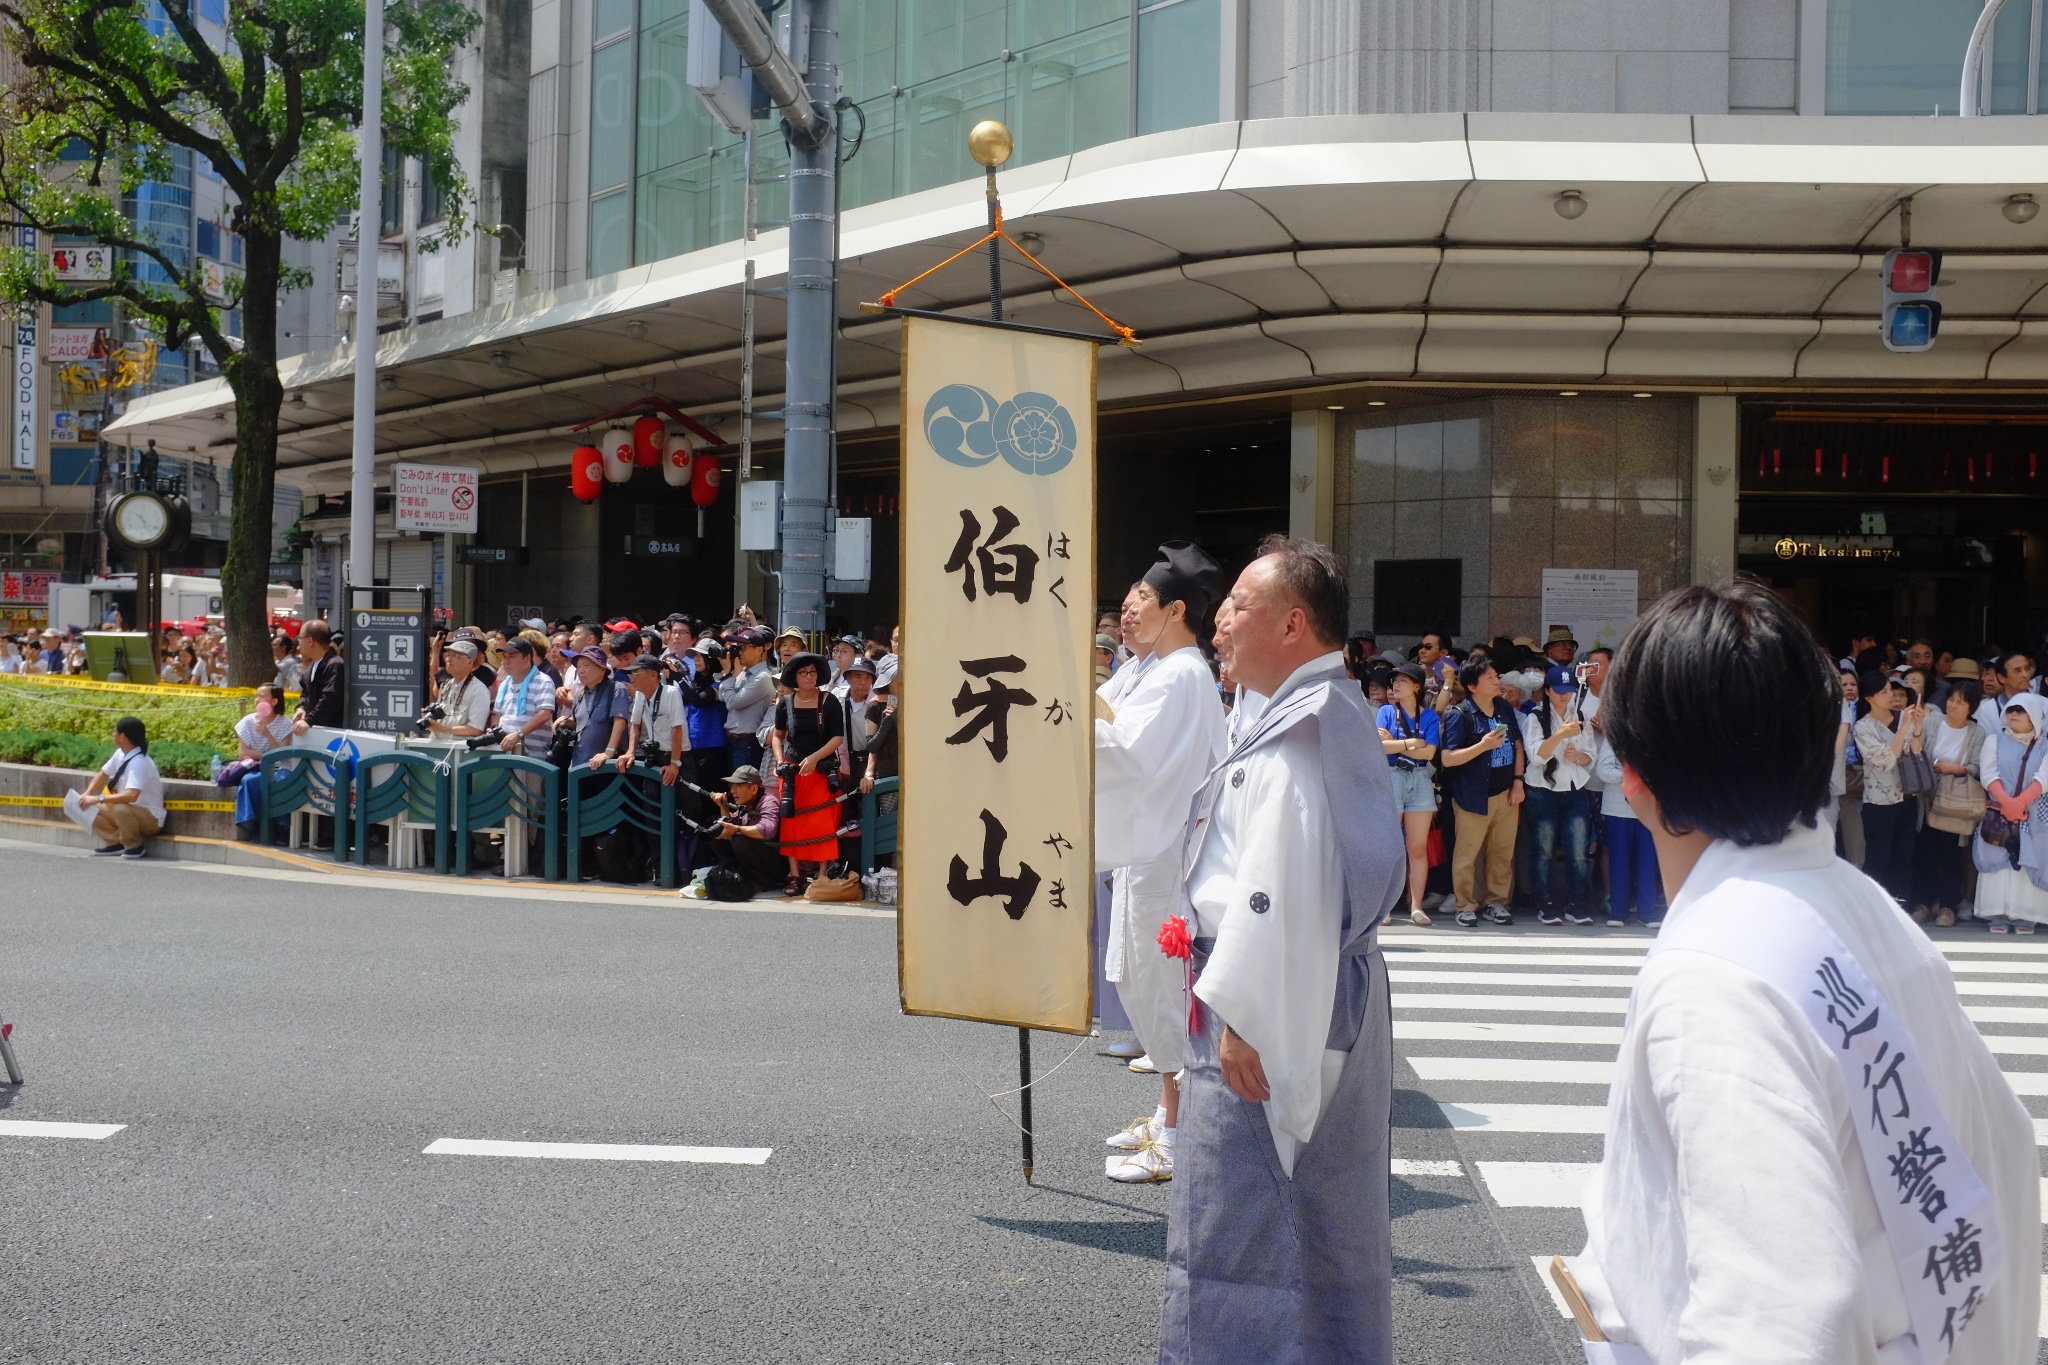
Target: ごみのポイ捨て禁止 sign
pixel 429 497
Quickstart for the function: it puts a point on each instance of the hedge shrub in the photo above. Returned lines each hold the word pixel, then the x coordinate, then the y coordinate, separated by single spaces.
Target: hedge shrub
pixel 185 717
pixel 48 749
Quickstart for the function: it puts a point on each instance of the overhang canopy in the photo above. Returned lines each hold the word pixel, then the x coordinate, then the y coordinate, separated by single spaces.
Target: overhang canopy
pixel 1713 252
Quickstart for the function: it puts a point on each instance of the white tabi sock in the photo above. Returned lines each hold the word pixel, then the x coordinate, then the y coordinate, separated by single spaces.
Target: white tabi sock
pixel 1166 1136
pixel 1159 1119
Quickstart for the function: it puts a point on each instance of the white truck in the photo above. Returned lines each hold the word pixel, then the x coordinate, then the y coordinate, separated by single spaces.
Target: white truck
pixel 187 597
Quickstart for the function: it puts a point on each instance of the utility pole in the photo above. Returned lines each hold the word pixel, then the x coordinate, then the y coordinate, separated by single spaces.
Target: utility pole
pixel 808 101
pixel 362 477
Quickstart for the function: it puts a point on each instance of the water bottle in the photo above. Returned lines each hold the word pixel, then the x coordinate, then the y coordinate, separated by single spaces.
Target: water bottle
pixel 213 768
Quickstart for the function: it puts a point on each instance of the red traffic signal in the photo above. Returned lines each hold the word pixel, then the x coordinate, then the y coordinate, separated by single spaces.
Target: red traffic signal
pixel 1911 314
pixel 1910 272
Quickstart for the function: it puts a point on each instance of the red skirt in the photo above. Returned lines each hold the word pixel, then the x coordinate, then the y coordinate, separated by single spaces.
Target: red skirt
pixel 812 837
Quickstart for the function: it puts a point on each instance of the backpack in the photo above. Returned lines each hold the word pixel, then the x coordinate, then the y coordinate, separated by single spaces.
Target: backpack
pixel 624 856
pixel 727 884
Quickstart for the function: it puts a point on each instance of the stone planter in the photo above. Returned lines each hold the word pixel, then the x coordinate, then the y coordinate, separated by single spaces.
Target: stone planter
pixel 23 779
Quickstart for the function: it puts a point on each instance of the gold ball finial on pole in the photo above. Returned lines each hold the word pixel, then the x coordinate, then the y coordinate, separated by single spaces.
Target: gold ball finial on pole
pixel 988 142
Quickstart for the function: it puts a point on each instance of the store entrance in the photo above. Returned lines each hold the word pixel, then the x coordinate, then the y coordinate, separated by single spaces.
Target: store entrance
pixel 1900 523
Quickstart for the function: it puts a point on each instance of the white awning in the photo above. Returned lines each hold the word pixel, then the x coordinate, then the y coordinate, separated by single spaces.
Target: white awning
pixel 1714 253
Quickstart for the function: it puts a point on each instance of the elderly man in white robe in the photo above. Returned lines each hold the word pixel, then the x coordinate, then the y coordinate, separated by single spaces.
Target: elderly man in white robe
pixel 1278 1246
pixel 1811 1156
pixel 1150 760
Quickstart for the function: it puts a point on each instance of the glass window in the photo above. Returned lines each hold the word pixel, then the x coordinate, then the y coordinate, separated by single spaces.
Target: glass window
pixel 610 16
pixel 1898 56
pixel 2008 59
pixel 1074 92
pixel 391 195
pixel 209 239
pixel 1179 63
pixel 611 243
pixel 433 199
pixel 611 110
pixel 214 11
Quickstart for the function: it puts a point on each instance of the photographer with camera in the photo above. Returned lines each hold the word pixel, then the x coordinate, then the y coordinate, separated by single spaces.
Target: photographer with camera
pixel 463 709
pixel 698 670
pixel 524 709
pixel 749 824
pixel 659 734
pixel 747 691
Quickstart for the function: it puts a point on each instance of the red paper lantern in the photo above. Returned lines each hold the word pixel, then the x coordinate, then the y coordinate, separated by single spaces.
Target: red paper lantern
pixel 647 437
pixel 586 473
pixel 675 462
pixel 704 479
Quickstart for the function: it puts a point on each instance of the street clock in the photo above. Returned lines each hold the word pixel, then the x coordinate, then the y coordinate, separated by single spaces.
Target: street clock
pixel 148 521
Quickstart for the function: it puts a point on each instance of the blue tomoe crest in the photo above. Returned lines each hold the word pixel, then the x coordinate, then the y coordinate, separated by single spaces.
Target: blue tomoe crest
pixel 1032 432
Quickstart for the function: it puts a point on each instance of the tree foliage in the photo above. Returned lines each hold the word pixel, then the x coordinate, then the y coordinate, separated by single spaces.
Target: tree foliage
pixel 273 104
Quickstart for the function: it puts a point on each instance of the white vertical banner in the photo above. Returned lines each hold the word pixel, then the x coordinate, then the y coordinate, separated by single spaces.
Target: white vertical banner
pixel 996 833
pixel 27 379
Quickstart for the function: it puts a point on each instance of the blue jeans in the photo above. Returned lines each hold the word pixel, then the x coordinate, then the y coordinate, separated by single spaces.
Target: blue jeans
pixel 1631 867
pixel 1547 813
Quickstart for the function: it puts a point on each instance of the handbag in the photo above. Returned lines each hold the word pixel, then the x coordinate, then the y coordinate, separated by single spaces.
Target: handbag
pixel 1916 774
pixel 846 888
pixel 1996 830
pixel 1434 845
pixel 1959 798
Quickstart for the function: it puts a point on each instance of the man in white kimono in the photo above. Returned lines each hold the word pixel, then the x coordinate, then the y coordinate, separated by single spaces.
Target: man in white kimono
pixel 1278 1246
pixel 1811 1157
pixel 1149 763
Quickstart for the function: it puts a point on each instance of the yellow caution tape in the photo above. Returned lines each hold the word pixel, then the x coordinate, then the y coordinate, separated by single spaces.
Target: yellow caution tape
pixel 168 805
pixel 154 689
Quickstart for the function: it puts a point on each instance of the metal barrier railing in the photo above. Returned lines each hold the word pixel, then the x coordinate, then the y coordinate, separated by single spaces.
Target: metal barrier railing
pixel 602 801
pixel 412 798
pixel 877 825
pixel 510 791
pixel 314 781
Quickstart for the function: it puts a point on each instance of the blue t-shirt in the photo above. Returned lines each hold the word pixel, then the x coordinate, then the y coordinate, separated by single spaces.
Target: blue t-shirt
pixel 1395 722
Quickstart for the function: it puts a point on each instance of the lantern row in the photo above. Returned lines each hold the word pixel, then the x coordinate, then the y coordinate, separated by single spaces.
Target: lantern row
pixel 647 443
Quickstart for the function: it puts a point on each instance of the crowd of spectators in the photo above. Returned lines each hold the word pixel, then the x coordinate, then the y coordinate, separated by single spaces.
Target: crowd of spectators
pixel 1511 797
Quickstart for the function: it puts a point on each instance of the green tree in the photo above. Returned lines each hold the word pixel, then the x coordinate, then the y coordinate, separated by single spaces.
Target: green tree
pixel 111 87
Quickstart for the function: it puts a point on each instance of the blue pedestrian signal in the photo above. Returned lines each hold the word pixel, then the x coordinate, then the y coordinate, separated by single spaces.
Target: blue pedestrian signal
pixel 1912 314
pixel 1909 326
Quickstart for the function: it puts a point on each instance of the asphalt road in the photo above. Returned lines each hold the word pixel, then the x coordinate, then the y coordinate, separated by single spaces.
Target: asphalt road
pixel 282 1048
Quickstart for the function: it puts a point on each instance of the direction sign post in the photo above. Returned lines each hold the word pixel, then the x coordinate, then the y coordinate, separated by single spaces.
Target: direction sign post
pixel 387 669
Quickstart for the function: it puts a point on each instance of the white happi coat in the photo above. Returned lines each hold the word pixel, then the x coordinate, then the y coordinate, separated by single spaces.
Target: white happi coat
pixel 1149 763
pixel 1731 1218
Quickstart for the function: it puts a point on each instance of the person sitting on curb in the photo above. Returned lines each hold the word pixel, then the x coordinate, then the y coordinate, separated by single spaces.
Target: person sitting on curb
pixel 127 794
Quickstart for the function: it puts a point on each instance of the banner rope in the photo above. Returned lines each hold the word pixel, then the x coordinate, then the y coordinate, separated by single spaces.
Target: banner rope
pixel 947 1054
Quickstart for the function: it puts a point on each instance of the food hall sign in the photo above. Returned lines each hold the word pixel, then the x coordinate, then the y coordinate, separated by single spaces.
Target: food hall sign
pixel 995 840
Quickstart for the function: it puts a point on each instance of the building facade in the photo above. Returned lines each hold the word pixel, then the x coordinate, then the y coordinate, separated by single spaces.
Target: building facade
pixel 1471 290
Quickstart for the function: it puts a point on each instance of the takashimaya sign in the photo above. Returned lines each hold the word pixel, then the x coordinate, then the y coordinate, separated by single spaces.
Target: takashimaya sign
pixel 1879 548
pixel 995 836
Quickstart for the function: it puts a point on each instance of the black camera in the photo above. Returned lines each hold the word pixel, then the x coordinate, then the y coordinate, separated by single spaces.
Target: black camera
pixel 650 754
pixel 435 711
pixel 494 735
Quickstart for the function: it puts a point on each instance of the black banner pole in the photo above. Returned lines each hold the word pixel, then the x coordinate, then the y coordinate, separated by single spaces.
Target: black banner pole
pixel 1024 1094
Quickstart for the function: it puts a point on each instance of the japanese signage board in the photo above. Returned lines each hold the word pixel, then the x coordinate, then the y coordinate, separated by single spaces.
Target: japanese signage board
pixel 387 669
pixel 83 264
pixel 26 587
pixel 77 343
pixel 1596 605
pixel 429 497
pixel 996 833
pixel 74 426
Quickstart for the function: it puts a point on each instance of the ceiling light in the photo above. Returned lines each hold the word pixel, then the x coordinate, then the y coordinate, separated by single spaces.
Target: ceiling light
pixel 1569 205
pixel 2021 208
pixel 1567 393
pixel 387 382
pixel 1375 402
pixel 1646 395
pixel 1336 407
pixel 298 401
pixel 502 359
pixel 636 328
pixel 1033 242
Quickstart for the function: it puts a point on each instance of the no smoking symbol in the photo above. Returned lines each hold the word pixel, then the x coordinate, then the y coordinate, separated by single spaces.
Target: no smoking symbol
pixel 463 499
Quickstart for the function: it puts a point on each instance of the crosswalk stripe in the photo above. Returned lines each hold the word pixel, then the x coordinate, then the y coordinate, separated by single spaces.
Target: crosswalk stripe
pixel 1966 965
pixel 1403 959
pixel 1542 1264
pixel 1405 1166
pixel 2041 1132
pixel 1611 980
pixel 2006 1014
pixel 1528 1118
pixel 1481 1031
pixel 2005 1044
pixel 49 1129
pixel 597 1151
pixel 1536 1184
pixel 2028 1082
pixel 2017 989
pixel 1521 1070
pixel 1533 1004
pixel 1528 943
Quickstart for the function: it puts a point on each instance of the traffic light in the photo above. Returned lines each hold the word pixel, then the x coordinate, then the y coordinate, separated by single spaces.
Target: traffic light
pixel 1912 313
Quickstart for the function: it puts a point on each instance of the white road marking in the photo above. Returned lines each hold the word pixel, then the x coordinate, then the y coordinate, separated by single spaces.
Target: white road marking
pixel 1988 944
pixel 1530 943
pixel 1612 980
pixel 1403 1166
pixel 2006 1014
pixel 2027 989
pixel 1536 1184
pixel 597 1151
pixel 2008 1044
pixel 1403 959
pixel 1979 965
pixel 1526 1070
pixel 2028 1082
pixel 1481 1031
pixel 1546 1004
pixel 44 1128
pixel 1532 1118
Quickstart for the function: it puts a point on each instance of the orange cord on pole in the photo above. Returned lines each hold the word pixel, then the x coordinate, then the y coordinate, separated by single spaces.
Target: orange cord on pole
pixel 1125 335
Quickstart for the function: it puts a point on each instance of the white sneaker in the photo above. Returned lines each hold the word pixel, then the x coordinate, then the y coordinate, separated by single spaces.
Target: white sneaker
pixel 1137 1135
pixel 1143 1065
pixel 1148 1165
